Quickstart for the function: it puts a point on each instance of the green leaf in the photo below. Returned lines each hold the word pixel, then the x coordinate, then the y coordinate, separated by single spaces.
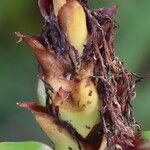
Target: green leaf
pixel 146 135
pixel 144 143
pixel 23 146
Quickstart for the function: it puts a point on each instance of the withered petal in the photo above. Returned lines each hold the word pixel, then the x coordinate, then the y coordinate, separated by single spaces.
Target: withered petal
pixel 32 41
pixel 110 12
pixel 33 106
pixel 52 65
pixel 44 56
pixel 45 7
pixel 38 49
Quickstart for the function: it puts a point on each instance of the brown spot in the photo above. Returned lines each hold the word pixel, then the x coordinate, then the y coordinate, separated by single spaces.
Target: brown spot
pixel 88 127
pixel 90 93
pixel 89 102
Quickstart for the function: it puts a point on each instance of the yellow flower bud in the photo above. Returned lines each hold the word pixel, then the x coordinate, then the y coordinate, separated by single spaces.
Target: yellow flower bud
pixel 72 19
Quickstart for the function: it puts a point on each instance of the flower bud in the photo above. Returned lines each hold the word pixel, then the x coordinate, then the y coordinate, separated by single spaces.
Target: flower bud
pixel 72 19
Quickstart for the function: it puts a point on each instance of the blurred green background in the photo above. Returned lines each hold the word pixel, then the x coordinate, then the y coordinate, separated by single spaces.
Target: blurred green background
pixel 18 66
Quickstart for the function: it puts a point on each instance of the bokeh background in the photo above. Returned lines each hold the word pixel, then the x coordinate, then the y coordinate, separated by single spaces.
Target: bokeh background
pixel 18 66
